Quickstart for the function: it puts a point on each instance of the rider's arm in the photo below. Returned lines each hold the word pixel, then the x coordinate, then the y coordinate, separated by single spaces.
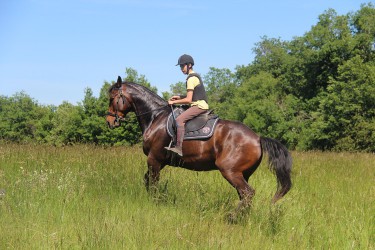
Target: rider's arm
pixel 186 100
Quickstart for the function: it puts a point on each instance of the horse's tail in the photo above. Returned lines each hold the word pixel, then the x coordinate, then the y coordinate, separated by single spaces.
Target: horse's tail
pixel 279 162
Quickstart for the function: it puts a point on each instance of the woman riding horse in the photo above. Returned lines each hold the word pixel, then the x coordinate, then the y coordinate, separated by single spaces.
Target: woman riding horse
pixel 233 149
pixel 195 97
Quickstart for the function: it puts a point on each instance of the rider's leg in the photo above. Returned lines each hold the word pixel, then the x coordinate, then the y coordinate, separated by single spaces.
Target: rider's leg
pixel 189 114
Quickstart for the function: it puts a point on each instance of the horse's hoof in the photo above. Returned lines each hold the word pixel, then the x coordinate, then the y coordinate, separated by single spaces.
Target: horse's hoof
pixel 232 218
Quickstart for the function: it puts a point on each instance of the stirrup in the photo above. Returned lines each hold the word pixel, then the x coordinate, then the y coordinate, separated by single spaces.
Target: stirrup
pixel 176 150
pixel 169 146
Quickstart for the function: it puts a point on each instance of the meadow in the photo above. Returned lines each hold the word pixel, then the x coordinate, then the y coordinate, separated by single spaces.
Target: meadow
pixel 88 197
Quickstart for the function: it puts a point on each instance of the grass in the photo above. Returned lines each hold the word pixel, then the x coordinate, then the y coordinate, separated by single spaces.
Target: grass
pixel 94 198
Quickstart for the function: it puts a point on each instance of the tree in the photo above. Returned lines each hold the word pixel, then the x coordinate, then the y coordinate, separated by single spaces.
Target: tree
pixel 363 26
pixel 348 107
pixel 339 55
pixel 178 88
pixel 67 125
pixel 23 119
pixel 316 83
pixel 220 87
pixel 259 105
pixel 313 92
pixel 91 120
pixel 132 76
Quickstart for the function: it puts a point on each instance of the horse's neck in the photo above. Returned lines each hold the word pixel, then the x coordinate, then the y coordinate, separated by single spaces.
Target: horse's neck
pixel 146 105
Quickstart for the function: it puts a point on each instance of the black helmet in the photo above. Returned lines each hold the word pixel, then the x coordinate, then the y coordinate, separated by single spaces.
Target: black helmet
pixel 185 59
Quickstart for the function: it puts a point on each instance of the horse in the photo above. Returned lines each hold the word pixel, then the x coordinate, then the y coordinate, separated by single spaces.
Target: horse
pixel 233 149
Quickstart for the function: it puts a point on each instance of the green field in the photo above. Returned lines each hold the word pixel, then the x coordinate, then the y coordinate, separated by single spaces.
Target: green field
pixel 94 198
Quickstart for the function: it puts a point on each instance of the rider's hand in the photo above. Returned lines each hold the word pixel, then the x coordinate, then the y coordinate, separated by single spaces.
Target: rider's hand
pixel 173 98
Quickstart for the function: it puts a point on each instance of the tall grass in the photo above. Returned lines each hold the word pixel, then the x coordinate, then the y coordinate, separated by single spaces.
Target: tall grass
pixel 94 198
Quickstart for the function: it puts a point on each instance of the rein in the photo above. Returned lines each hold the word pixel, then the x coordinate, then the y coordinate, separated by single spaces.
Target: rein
pixel 119 118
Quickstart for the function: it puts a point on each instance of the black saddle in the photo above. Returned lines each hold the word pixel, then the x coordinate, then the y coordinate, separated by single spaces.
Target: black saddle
pixel 199 127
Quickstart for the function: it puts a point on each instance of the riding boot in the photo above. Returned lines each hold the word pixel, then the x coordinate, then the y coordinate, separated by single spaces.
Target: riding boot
pixel 180 138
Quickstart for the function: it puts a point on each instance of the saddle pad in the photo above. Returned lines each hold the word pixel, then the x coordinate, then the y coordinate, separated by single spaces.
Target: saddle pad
pixel 202 131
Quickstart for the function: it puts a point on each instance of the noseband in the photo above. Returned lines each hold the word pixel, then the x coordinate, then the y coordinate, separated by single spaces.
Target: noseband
pixel 119 96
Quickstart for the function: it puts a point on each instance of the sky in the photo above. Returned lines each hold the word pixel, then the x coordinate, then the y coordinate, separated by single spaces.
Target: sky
pixel 54 49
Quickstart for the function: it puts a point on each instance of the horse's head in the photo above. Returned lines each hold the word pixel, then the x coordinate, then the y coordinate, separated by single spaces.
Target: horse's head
pixel 119 104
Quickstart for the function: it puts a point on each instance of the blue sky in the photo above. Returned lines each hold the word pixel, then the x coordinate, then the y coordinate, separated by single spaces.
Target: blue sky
pixel 54 49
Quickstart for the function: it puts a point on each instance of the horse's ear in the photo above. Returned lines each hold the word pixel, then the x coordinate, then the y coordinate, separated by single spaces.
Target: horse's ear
pixel 119 81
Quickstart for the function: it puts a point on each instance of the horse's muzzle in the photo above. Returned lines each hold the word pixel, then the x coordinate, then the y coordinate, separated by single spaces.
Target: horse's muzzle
pixel 113 124
pixel 110 125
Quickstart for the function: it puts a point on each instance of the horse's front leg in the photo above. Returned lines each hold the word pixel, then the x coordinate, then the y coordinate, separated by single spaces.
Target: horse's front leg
pixel 152 175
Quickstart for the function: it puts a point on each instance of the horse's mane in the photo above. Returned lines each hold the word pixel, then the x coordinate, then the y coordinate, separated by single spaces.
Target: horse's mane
pixel 140 88
pixel 143 88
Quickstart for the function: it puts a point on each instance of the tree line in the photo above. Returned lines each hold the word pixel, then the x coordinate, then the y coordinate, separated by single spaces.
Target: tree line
pixel 314 92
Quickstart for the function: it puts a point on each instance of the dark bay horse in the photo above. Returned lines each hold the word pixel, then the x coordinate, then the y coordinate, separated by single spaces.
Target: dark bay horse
pixel 234 149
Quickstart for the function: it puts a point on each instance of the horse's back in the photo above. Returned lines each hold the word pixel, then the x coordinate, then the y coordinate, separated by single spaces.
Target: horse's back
pixel 232 143
pixel 230 131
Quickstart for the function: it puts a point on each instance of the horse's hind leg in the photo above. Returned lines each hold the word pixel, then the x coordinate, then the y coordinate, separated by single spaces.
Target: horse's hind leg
pixel 244 190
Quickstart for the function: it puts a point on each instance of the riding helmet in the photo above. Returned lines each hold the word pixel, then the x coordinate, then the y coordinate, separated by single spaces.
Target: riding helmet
pixel 185 59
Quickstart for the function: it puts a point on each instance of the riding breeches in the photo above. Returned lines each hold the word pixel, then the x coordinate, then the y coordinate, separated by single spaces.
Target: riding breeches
pixel 187 115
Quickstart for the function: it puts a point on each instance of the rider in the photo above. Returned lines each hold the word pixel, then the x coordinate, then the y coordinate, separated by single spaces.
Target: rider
pixel 195 97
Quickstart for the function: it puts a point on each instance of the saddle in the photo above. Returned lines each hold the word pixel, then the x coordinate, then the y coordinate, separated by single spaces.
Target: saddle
pixel 200 127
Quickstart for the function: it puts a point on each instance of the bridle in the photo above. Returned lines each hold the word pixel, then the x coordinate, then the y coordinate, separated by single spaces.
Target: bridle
pixel 121 95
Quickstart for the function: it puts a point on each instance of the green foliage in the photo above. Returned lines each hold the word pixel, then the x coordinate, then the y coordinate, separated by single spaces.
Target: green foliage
pixel 220 87
pixel 363 26
pixel 132 76
pixel 259 105
pixel 316 91
pixel 313 92
pixel 347 108
pixel 178 88
pixel 67 125
pixel 23 119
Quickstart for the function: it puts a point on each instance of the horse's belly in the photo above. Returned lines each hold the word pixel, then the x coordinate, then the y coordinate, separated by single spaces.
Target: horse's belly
pixel 198 165
pixel 198 155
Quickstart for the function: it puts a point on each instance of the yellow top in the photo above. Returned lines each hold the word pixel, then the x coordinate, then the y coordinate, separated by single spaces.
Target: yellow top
pixel 192 82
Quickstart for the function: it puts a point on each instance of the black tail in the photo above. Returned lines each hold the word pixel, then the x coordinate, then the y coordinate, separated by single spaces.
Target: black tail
pixel 279 162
